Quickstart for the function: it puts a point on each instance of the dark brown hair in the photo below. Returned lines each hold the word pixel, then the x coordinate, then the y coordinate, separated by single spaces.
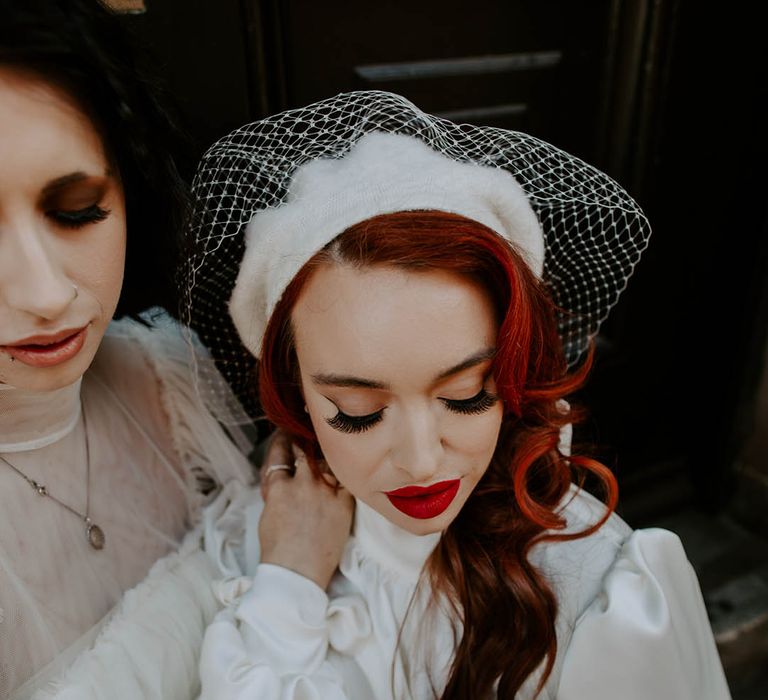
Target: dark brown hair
pixel 85 50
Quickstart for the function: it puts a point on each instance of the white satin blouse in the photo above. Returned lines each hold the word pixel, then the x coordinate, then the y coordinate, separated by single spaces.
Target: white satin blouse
pixel 631 624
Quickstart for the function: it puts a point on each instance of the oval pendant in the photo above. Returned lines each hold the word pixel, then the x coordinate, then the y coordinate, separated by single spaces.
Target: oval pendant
pixel 95 536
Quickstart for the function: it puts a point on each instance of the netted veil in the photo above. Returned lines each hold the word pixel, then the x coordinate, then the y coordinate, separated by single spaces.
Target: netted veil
pixel 594 231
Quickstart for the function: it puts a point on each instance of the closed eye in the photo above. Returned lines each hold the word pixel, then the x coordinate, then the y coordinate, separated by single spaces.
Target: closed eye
pixel 354 424
pixel 479 403
pixel 79 217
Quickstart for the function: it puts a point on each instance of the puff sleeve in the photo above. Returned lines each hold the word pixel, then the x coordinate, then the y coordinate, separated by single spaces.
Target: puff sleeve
pixel 272 643
pixel 646 634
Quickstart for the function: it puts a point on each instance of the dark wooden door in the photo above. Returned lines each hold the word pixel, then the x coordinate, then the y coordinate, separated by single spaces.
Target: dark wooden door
pixel 667 96
pixel 535 65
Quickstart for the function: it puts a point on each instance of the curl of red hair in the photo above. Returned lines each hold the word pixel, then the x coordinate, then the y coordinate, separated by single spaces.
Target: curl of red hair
pixel 481 564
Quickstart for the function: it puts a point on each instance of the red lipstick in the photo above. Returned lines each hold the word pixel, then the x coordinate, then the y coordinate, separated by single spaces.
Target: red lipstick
pixel 424 502
pixel 48 350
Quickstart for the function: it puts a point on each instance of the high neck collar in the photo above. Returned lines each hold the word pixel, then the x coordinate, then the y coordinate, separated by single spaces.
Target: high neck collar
pixel 389 545
pixel 32 419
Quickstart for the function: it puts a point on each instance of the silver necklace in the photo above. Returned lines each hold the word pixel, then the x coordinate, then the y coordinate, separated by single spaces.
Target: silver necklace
pixel 94 535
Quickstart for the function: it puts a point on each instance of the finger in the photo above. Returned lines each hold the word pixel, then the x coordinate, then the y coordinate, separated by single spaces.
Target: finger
pixel 303 472
pixel 305 475
pixel 328 476
pixel 274 473
pixel 272 470
pixel 298 453
pixel 331 480
pixel 278 450
pixel 278 453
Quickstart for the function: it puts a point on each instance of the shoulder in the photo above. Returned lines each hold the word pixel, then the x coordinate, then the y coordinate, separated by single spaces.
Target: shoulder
pixel 629 604
pixel 581 571
pixel 576 568
pixel 134 357
pixel 151 371
pixel 646 629
pixel 123 357
pixel 124 380
pixel 141 367
pixel 135 345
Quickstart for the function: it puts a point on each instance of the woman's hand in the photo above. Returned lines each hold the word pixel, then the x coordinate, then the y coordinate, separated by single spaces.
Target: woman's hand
pixel 306 522
pixel 279 453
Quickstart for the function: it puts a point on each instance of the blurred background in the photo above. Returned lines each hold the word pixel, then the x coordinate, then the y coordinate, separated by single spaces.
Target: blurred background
pixel 670 97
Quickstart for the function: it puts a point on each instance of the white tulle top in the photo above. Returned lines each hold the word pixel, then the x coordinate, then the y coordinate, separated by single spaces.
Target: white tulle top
pixel 156 458
pixel 631 623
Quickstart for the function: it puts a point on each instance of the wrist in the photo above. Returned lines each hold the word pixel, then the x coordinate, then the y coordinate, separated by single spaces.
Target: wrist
pixel 319 573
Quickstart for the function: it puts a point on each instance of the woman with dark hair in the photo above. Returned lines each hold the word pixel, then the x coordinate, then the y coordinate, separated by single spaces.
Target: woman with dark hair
pixel 83 50
pixel 107 455
pixel 397 288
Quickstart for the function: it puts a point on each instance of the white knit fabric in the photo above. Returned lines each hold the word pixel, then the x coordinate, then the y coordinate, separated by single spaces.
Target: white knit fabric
pixel 382 174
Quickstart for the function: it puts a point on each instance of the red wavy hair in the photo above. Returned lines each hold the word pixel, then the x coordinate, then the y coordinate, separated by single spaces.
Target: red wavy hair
pixel 481 564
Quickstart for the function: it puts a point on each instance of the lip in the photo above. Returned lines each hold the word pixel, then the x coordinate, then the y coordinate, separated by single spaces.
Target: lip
pixel 48 350
pixel 424 502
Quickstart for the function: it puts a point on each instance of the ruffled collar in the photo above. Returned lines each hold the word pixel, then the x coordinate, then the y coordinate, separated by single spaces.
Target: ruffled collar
pixel 33 419
pixel 393 548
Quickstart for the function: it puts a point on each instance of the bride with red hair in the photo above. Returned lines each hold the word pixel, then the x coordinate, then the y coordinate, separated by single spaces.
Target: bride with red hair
pixel 433 536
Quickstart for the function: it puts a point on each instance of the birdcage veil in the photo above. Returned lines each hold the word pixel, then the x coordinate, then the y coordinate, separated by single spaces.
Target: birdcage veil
pixel 594 232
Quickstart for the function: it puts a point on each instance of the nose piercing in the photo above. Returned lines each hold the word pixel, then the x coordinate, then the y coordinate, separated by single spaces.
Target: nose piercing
pixel 77 292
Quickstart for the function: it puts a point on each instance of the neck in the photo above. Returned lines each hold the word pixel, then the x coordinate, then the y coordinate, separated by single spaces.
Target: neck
pixel 33 419
pixel 392 547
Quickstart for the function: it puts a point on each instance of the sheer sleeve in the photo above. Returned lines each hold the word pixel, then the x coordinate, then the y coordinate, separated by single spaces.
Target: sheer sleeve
pixel 646 634
pixel 150 458
pixel 209 455
pixel 150 646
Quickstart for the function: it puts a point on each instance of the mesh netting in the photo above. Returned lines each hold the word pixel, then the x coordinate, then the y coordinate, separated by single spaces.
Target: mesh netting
pixel 594 231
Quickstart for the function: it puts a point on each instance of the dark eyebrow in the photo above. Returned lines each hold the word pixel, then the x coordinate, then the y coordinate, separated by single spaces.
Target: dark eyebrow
pixel 347 381
pixel 71 178
pixel 471 361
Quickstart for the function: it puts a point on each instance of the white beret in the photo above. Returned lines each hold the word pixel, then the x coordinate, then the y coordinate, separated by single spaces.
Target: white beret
pixel 382 173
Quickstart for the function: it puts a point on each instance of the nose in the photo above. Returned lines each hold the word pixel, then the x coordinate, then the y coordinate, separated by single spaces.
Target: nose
pixel 32 276
pixel 419 449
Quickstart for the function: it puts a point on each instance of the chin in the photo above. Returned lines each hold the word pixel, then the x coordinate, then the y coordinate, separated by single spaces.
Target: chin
pixel 48 379
pixel 427 526
pixel 28 378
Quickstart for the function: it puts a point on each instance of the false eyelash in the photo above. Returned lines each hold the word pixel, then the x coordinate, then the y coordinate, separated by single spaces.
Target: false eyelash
pixel 354 424
pixel 81 217
pixel 479 403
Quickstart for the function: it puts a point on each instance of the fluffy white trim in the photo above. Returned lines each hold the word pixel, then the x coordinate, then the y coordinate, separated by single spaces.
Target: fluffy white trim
pixel 382 174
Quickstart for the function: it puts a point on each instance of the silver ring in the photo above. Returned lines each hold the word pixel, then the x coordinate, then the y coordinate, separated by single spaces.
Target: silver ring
pixel 272 468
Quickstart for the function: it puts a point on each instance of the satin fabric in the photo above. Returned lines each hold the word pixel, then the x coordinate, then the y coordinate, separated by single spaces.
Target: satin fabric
pixel 631 622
